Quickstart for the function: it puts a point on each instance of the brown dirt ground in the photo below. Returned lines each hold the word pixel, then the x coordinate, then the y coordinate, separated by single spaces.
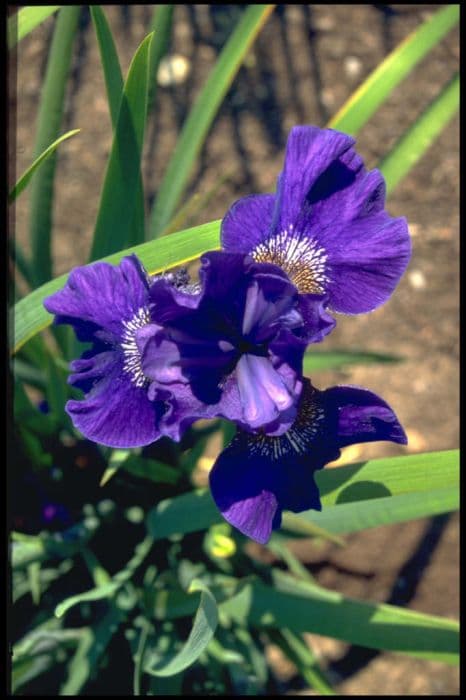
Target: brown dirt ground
pixel 306 62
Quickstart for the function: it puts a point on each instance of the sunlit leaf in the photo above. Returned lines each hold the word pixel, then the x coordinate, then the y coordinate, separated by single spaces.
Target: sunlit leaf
pixel 362 104
pixel 420 136
pixel 27 19
pixel 26 176
pixel 202 114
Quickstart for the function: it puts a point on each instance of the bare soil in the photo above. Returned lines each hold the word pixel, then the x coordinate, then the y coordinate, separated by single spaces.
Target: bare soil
pixel 304 65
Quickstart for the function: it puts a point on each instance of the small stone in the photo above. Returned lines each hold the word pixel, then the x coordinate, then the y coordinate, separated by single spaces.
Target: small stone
pixel 352 66
pixel 173 70
pixel 417 279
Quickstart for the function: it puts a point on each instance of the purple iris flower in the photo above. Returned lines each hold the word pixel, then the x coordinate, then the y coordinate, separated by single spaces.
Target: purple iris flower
pixel 108 305
pixel 233 350
pixel 326 226
pixel 258 476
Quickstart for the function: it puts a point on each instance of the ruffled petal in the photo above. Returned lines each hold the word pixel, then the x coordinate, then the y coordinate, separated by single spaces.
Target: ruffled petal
pixel 115 412
pixel 101 296
pixel 247 223
pixel 258 476
pixel 362 416
pixel 366 262
pixel 309 153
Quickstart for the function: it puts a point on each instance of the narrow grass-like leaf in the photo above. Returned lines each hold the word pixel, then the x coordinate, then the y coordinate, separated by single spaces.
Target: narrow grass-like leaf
pixel 30 316
pixel 420 475
pixel 307 608
pixel 204 625
pixel 48 127
pixel 202 114
pixel 117 203
pixel 27 19
pixel 345 518
pixel 92 645
pixel 114 86
pixel 161 26
pixel 25 178
pixel 110 63
pixel 419 137
pixel 315 361
pixel 362 104
pixel 300 653
pixel 108 589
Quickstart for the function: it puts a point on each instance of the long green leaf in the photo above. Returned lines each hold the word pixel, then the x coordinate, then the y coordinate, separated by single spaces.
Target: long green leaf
pixel 358 109
pixel 202 114
pixel 110 63
pixel 419 137
pixel 360 486
pixel 345 518
pixel 204 625
pixel 49 121
pixel 117 204
pixel 108 589
pixel 114 87
pixel 30 317
pixel 26 176
pixel 161 25
pixel 27 19
pixel 308 608
pixel 315 361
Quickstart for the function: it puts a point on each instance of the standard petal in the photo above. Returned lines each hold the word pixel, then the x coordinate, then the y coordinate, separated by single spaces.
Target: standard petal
pixel 309 153
pixel 101 296
pixel 115 412
pixel 362 416
pixel 247 223
pixel 366 263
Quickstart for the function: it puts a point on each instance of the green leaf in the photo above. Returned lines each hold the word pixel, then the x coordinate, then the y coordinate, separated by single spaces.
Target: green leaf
pixel 30 316
pixel 114 86
pixel 202 115
pixel 117 203
pixel 362 515
pixel 26 177
pixel 48 126
pixel 204 625
pixel 92 645
pixel 27 19
pixel 362 104
pixel 315 360
pixel 110 63
pixel 419 137
pixel 161 25
pixel 108 590
pixel 378 478
pixel 307 608
pixel 189 512
pixel 420 475
pixel 300 653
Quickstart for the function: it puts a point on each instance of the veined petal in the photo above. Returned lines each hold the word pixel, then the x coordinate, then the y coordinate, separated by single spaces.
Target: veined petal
pixel 247 223
pixel 309 152
pixel 101 296
pixel 116 412
pixel 366 263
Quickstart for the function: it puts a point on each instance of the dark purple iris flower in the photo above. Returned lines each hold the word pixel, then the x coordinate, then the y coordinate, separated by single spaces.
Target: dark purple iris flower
pixel 233 350
pixel 258 476
pixel 108 305
pixel 326 225
pixel 166 353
